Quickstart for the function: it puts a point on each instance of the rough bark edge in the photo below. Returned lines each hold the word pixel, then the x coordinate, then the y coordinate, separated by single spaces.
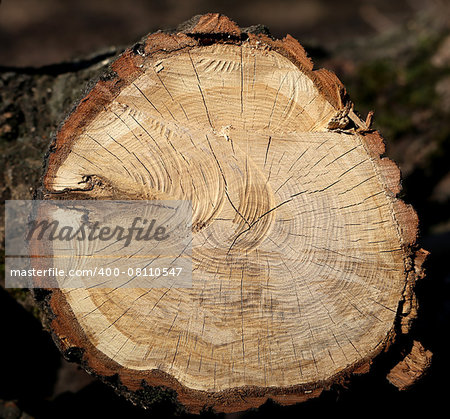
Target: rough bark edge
pixel 204 30
pixel 407 222
pixel 406 373
pixel 73 344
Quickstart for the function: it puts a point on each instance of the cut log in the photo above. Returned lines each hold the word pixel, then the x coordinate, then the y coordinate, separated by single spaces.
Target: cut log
pixel 303 257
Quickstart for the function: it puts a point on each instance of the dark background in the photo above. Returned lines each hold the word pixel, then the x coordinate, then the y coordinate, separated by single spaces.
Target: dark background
pixel 393 57
pixel 38 32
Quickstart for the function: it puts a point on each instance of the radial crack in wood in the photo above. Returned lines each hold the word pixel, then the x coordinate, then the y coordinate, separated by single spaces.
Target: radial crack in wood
pixel 301 251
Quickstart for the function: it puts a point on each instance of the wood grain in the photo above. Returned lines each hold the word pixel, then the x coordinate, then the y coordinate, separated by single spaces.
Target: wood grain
pixel 301 250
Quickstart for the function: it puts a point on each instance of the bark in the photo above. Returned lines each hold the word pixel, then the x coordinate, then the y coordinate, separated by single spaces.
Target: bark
pixel 414 365
pixel 33 103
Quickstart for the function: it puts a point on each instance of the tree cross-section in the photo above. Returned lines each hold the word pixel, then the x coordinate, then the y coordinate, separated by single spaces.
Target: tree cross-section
pixel 302 255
